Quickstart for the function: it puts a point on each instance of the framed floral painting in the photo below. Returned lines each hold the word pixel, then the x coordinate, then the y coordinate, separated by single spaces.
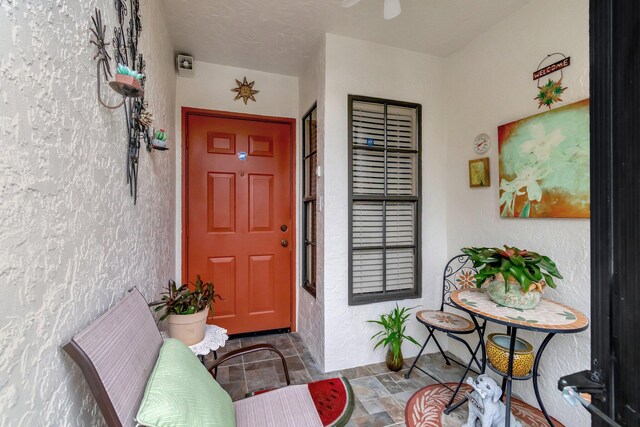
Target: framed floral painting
pixel 479 174
pixel 544 164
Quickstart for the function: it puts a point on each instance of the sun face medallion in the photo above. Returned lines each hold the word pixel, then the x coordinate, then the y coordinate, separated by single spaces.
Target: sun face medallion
pixel 245 91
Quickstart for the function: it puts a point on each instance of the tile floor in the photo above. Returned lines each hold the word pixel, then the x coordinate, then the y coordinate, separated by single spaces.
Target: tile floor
pixel 381 395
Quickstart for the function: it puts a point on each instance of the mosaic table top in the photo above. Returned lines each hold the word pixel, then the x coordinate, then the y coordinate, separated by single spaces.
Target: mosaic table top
pixel 547 316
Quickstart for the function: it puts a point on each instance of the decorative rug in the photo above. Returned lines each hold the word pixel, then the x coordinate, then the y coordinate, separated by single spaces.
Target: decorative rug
pixel 425 409
pixel 333 399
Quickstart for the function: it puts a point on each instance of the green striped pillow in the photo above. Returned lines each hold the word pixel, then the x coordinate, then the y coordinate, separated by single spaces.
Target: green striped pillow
pixel 180 392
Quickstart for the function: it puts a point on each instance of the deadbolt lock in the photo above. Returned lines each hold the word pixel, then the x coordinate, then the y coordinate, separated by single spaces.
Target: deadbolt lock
pixel 284 227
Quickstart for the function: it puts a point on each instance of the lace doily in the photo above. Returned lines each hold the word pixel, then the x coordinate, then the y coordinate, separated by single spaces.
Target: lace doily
pixel 214 338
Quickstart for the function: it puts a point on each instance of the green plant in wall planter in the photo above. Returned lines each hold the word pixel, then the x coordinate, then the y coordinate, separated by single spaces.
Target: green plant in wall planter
pixel 514 277
pixel 393 335
pixel 160 139
pixel 130 77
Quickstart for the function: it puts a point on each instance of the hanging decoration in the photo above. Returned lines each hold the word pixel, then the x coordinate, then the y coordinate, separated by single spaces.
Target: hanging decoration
pixel 245 91
pixel 549 93
pixel 129 81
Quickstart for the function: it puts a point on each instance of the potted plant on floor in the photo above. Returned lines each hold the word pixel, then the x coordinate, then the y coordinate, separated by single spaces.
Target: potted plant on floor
pixel 393 335
pixel 186 309
pixel 515 278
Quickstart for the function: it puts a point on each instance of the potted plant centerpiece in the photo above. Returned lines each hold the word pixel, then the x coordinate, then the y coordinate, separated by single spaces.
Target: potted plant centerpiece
pixel 393 335
pixel 514 278
pixel 186 309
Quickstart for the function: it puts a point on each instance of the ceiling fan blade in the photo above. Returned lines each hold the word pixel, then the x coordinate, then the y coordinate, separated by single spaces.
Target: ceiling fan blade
pixel 349 3
pixel 391 9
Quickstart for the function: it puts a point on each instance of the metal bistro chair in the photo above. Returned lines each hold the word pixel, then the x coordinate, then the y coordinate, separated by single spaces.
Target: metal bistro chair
pixel 459 273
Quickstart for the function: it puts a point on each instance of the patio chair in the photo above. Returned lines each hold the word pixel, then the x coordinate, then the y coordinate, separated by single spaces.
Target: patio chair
pixel 458 273
pixel 117 354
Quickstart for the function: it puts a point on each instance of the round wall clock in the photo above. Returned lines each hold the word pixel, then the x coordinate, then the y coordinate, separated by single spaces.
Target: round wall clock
pixel 482 143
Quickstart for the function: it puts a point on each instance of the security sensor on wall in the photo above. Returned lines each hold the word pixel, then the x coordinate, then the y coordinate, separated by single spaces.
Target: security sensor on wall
pixel 184 65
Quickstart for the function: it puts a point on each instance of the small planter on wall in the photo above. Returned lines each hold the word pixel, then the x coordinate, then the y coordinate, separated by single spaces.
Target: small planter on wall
pixel 159 141
pixel 127 82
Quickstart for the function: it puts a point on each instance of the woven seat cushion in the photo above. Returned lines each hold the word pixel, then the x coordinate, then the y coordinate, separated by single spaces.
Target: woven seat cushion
pixel 290 406
pixel 445 321
pixel 333 400
pixel 181 392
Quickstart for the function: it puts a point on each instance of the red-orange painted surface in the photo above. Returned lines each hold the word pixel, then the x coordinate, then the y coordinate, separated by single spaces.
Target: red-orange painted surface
pixel 239 195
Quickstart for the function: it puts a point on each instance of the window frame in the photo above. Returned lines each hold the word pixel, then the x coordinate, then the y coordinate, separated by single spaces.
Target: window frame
pixel 416 292
pixel 309 286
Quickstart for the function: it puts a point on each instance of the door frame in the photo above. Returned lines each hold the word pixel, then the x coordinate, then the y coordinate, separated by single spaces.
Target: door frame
pixel 615 102
pixel 190 111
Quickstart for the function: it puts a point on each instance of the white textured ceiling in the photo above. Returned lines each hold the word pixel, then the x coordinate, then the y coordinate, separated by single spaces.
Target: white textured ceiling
pixel 280 35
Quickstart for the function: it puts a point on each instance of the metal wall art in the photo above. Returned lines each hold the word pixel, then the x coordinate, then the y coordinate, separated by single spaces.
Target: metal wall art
pixel 129 82
pixel 245 91
pixel 549 93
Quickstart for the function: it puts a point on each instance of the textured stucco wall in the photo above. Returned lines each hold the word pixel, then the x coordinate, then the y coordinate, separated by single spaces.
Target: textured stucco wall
pixel 489 83
pixel 71 240
pixel 310 310
pixel 363 68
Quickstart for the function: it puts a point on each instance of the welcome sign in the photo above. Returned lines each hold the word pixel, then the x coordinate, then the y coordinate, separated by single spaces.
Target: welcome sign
pixel 556 66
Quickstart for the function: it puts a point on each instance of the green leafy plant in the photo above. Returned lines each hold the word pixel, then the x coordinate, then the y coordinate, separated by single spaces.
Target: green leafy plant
pixel 394 325
pixel 183 300
pixel 528 268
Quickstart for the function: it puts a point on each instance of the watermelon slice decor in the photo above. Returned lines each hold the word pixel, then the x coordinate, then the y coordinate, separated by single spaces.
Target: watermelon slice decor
pixel 333 398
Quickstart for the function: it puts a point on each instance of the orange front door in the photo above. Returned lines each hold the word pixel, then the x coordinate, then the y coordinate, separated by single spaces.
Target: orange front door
pixel 239 218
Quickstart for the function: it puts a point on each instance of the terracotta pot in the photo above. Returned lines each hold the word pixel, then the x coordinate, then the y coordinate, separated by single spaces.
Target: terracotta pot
pixel 513 296
pixel 129 80
pixel 498 354
pixel 188 328
pixel 394 365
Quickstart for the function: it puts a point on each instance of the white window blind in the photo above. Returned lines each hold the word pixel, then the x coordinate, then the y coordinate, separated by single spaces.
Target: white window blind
pixel 384 148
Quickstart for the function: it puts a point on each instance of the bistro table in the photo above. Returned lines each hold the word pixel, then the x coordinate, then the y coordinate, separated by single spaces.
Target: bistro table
pixel 548 316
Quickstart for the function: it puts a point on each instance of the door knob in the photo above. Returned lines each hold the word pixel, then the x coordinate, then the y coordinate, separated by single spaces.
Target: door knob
pixel 284 243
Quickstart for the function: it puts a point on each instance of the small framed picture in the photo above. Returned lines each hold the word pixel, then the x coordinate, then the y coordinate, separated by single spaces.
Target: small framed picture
pixel 479 173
